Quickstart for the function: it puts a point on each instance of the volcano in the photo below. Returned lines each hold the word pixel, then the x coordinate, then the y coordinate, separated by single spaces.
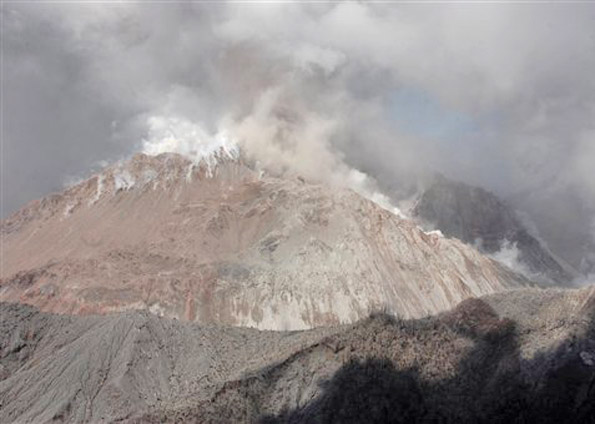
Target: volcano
pixel 220 241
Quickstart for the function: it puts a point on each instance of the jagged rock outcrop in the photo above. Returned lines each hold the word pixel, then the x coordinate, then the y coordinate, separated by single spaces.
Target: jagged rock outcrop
pixel 220 242
pixel 480 218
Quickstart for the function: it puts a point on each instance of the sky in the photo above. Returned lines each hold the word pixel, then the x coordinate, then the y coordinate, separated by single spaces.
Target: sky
pixel 375 96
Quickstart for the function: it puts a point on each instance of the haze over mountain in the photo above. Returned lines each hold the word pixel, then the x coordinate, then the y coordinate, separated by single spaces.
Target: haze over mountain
pixel 177 179
pixel 478 217
pixel 499 96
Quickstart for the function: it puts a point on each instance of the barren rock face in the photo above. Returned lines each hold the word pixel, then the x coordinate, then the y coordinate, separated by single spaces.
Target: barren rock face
pixel 226 244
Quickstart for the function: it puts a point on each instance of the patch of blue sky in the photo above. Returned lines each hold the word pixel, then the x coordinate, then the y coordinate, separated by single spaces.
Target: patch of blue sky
pixel 457 142
pixel 417 112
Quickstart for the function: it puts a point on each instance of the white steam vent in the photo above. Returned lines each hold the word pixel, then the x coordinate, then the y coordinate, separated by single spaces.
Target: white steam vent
pixel 178 135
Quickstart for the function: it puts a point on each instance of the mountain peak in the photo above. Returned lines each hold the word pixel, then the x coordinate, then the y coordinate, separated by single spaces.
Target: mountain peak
pixel 227 244
pixel 478 217
pixel 162 171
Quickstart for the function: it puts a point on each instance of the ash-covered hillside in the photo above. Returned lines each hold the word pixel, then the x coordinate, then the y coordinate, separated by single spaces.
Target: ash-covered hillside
pixel 520 356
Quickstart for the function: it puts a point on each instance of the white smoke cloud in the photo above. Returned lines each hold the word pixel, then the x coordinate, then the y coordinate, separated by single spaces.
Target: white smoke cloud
pixel 509 255
pixel 281 139
pixel 315 89
pixel 171 134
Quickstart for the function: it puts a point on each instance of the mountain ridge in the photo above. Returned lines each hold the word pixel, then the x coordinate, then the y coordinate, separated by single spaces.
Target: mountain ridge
pixel 478 217
pixel 232 245
pixel 518 354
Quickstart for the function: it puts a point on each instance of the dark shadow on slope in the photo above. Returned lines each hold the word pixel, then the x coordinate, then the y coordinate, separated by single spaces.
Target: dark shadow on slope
pixel 492 383
pixel 372 391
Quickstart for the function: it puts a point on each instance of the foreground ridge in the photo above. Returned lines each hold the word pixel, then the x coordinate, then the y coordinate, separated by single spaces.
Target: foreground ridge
pixel 523 356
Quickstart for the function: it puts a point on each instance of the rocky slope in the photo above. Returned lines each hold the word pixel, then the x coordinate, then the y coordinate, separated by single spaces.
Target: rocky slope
pixel 63 368
pixel 480 218
pixel 519 356
pixel 219 242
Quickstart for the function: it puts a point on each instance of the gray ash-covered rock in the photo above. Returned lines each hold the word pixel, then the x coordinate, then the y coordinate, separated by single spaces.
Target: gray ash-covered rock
pixel 519 356
pixel 477 216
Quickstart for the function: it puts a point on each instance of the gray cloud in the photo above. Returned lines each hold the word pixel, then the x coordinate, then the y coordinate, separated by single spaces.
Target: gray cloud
pixel 498 95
